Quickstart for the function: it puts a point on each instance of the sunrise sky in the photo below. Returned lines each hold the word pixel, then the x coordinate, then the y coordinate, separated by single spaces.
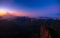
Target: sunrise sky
pixel 33 8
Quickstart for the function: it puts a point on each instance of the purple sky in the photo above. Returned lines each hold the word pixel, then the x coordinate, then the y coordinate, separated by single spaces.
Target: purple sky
pixel 33 8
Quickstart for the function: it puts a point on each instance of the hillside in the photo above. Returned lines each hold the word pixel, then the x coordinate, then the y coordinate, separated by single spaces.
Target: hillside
pixel 23 26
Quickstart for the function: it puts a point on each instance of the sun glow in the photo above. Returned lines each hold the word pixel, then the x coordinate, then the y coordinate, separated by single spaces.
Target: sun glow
pixel 2 12
pixel 5 11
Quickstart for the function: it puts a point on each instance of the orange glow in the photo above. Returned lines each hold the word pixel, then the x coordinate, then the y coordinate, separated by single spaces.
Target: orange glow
pixel 1 14
pixel 6 12
pixel 13 14
pixel 19 14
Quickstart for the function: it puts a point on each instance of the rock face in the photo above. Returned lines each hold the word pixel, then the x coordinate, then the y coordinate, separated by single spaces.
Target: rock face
pixel 46 32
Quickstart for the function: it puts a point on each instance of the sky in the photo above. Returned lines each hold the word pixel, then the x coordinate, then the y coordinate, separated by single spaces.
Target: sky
pixel 32 8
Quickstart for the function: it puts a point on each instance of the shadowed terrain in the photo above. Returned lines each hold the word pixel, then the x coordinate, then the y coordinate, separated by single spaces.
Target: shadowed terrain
pixel 24 27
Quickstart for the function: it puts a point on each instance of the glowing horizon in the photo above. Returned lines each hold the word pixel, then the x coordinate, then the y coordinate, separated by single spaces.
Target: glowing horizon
pixel 13 14
pixel 4 12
